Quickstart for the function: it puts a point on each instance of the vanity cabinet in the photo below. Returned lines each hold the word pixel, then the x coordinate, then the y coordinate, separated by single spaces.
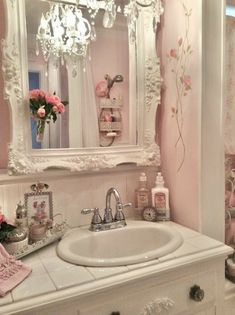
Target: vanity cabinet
pixel 166 291
pixel 167 298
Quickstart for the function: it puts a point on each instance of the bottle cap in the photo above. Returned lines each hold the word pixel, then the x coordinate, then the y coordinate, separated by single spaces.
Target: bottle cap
pixel 159 179
pixel 143 177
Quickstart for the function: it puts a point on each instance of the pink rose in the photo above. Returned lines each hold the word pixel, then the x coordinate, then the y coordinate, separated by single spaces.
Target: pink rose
pixel 55 109
pixel 36 93
pixel 51 99
pixel 41 112
pixel 2 218
pixel 57 99
pixel 173 53
pixel 61 108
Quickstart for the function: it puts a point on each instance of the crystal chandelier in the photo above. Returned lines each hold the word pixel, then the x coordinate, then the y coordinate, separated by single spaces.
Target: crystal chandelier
pixel 65 33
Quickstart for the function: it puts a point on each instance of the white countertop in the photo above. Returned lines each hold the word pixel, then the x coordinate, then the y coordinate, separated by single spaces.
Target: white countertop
pixel 53 278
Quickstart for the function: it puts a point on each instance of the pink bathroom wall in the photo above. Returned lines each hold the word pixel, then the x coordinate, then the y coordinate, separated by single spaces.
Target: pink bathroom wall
pixel 4 117
pixel 184 183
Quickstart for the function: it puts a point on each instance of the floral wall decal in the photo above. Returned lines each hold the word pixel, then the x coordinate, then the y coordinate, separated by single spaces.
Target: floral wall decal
pixel 179 59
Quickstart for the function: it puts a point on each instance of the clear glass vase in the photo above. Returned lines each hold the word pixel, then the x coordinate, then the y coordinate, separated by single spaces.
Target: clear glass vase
pixel 40 130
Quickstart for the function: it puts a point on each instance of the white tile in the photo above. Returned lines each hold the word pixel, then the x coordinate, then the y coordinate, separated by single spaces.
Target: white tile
pixel 142 265
pixel 33 286
pixel 204 242
pixel 54 263
pixel 34 262
pixel 99 273
pixel 69 277
pixel 184 231
pixel 184 250
pixel 47 251
pixel 7 299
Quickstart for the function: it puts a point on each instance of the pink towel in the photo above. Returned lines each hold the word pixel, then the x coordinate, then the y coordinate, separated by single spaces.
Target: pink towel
pixel 12 271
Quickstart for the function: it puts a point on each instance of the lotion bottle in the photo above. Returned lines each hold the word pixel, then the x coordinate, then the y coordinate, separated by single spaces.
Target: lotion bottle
pixel 160 199
pixel 142 193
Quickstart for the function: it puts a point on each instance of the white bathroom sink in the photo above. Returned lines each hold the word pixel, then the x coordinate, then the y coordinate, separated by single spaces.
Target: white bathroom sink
pixel 137 242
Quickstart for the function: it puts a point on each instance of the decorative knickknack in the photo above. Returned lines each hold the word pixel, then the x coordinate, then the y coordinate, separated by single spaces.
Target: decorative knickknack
pixel 110 119
pixel 35 226
pixel 44 108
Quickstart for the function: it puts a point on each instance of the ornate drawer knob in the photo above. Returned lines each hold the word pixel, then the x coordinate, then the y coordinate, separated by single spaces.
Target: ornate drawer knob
pixel 196 293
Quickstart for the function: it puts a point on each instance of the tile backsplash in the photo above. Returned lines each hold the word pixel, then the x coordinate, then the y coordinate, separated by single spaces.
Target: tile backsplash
pixel 73 192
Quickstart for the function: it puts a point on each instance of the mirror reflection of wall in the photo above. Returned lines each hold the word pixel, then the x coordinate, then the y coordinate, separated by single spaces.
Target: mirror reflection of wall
pixel 109 54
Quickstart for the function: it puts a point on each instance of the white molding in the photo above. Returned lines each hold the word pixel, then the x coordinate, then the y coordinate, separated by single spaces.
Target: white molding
pixel 212 136
pixel 52 174
pixel 24 160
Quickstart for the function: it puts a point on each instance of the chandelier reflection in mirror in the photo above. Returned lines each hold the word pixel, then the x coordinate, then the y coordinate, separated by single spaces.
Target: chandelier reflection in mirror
pixel 65 33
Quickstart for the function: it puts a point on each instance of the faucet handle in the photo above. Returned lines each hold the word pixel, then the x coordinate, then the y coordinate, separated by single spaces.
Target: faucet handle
pixel 96 219
pixel 119 215
pixel 87 210
pixel 127 205
pixel 120 206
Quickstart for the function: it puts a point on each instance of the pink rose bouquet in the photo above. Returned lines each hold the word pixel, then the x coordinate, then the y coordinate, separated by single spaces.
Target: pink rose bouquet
pixel 45 106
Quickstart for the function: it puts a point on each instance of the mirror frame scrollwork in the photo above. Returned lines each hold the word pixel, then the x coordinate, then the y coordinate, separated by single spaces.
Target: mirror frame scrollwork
pixel 22 159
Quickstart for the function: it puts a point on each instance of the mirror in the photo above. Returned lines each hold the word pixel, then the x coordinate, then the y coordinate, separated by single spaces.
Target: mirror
pixel 97 129
pixel 83 122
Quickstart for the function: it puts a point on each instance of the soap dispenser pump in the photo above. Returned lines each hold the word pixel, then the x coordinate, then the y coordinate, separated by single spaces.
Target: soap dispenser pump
pixel 160 199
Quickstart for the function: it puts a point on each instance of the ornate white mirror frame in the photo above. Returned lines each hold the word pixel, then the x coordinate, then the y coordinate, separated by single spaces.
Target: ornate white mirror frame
pixel 144 93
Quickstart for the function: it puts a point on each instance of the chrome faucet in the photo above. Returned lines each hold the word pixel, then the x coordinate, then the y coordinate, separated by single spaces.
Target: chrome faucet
pixel 109 222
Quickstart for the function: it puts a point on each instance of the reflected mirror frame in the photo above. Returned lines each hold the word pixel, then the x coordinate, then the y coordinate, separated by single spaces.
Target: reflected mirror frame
pixel 23 160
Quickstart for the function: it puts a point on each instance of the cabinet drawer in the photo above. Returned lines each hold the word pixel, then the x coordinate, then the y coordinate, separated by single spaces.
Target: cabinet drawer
pixel 134 302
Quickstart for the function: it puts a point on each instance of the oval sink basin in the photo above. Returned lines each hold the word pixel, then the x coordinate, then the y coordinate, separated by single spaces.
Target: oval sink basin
pixel 137 242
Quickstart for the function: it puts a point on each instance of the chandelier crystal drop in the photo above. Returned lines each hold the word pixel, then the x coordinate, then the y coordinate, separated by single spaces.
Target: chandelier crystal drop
pixel 65 33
